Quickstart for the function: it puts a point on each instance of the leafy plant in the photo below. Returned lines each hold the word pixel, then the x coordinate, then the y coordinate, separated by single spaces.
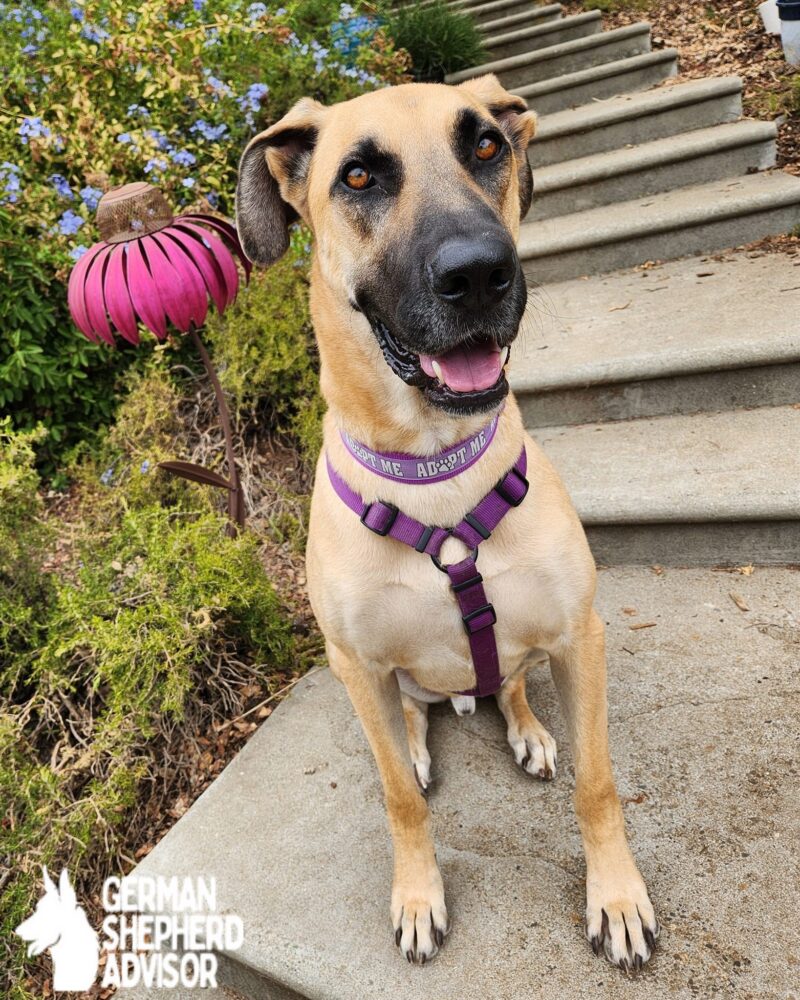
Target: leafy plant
pixel 439 39
pixel 265 348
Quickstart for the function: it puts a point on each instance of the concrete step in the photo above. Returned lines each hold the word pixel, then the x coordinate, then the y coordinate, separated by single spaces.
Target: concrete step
pixel 601 125
pixel 661 165
pixel 484 12
pixel 709 488
pixel 539 36
pixel 522 19
pixel 678 223
pixel 569 57
pixel 684 337
pixel 599 82
pixel 702 712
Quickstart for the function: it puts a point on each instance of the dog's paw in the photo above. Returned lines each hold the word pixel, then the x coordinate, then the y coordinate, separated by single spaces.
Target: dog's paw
pixel 464 704
pixel 535 751
pixel 419 917
pixel 620 920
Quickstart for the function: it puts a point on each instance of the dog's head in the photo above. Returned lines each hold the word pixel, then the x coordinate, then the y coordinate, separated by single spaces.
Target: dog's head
pixel 414 195
pixel 54 914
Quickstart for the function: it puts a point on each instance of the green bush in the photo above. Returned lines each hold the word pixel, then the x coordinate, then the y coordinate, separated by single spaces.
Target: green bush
pixel 439 39
pixel 101 92
pixel 155 622
pixel 266 351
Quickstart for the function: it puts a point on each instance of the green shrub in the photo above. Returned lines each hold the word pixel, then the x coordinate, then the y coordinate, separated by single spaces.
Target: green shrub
pixel 439 39
pixel 155 621
pixel 265 348
pixel 101 92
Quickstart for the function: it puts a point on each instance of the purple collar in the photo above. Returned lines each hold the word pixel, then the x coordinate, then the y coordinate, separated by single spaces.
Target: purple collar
pixel 420 469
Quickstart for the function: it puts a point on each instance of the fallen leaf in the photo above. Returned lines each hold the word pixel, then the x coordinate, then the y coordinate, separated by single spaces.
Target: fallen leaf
pixel 747 570
pixel 739 601
pixel 639 625
pixel 658 570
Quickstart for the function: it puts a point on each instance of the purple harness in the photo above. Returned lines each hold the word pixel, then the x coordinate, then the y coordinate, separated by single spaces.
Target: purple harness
pixel 466 582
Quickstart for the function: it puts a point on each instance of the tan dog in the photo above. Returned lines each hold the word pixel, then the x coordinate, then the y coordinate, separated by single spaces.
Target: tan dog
pixel 415 195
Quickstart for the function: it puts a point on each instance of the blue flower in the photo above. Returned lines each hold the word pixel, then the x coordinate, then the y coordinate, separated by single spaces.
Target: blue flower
pixel 188 182
pixel 9 178
pixel 77 12
pixel 30 49
pixel 61 184
pixel 145 466
pixel 210 132
pixel 93 33
pixel 345 10
pixel 184 158
pixel 108 477
pixel 69 223
pixel 138 110
pixel 125 137
pixel 33 128
pixel 77 252
pixel 160 139
pixel 198 4
pixel 256 11
pixel 91 197
pixel 213 199
pixel 219 87
pixel 155 166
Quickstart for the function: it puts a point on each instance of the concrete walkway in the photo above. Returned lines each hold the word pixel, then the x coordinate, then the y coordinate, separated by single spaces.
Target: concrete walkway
pixel 704 722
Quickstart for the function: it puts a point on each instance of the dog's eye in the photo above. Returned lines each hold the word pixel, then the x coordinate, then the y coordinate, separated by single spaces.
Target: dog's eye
pixel 488 147
pixel 357 177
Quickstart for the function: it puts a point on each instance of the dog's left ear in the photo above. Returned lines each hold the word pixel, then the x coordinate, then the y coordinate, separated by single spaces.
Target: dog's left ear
pixel 273 177
pixel 65 890
pixel 517 122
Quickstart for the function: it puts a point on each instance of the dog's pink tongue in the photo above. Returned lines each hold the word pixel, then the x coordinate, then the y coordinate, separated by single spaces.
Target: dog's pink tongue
pixel 467 368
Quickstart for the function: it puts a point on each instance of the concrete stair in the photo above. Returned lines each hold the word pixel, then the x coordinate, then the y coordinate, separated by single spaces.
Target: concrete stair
pixel 519 39
pixel 540 64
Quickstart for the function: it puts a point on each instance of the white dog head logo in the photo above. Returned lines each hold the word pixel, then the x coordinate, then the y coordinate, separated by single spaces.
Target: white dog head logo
pixel 58 923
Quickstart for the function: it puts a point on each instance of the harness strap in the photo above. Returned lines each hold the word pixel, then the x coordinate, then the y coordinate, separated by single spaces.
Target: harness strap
pixel 477 613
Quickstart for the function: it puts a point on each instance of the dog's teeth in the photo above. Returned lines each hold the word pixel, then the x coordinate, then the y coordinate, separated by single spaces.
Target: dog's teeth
pixel 503 357
pixel 437 370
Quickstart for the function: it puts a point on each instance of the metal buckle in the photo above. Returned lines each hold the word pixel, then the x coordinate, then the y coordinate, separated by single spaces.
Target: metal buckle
pixel 503 493
pixel 467 619
pixel 388 527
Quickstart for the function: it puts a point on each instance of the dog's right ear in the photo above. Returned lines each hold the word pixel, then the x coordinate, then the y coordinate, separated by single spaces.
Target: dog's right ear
pixel 273 178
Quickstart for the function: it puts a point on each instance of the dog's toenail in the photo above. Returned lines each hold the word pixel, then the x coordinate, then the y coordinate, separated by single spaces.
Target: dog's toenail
pixel 397 935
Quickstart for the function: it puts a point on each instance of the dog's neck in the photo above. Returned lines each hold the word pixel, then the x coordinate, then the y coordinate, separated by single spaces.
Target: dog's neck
pixel 365 398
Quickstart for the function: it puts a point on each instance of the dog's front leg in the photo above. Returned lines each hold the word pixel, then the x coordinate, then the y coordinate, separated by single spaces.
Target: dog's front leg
pixel 418 911
pixel 619 915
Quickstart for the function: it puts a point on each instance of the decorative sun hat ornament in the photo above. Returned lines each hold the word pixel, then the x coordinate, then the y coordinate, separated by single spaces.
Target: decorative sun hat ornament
pixel 156 269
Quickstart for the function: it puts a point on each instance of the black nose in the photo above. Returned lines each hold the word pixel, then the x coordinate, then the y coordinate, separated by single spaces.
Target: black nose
pixel 472 273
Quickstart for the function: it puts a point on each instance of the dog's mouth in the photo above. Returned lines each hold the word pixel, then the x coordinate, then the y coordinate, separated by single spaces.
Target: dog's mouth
pixel 468 378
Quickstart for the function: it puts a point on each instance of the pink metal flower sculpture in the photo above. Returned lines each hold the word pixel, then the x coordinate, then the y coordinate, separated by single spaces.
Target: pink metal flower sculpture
pixel 155 269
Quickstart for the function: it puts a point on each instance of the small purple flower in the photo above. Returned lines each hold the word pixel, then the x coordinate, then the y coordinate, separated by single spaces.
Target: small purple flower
pixel 156 166
pixel 94 33
pixel 125 137
pixel 159 139
pixel 30 49
pixel 218 87
pixel 138 110
pixel 210 132
pixel 33 128
pixel 198 4
pixel 77 252
pixel 107 477
pixel 184 158
pixel 256 11
pixel 145 466
pixel 91 196
pixel 9 178
pixel 188 182
pixel 213 199
pixel 77 12
pixel 70 223
pixel 61 184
